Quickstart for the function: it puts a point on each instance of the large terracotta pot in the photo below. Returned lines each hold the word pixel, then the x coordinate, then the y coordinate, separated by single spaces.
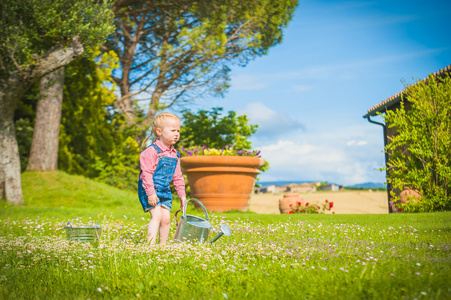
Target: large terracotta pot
pixel 222 183
pixel 286 203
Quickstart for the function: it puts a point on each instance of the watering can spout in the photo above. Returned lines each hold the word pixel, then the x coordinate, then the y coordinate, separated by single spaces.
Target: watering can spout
pixel 225 230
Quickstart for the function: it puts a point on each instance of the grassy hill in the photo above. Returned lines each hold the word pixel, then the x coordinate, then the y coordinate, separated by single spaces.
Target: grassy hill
pixel 58 194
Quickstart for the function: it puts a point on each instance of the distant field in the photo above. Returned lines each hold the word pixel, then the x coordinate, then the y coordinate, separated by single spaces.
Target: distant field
pixel 345 202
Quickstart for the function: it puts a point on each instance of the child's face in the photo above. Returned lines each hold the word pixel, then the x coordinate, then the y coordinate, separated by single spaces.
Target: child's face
pixel 170 133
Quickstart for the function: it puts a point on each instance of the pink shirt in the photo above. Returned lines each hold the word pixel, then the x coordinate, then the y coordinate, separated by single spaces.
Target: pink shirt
pixel 148 160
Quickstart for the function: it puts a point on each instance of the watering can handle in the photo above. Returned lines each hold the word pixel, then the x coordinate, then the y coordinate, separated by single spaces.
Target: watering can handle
pixel 175 217
pixel 201 205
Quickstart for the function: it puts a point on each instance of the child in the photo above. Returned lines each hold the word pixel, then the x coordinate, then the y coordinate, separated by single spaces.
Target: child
pixel 160 164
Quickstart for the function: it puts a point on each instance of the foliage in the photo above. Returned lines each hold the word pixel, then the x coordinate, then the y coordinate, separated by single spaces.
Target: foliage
pixel 31 28
pixel 420 152
pixel 24 119
pixel 120 168
pixel 400 256
pixel 216 131
pixel 100 149
pixel 24 135
pixel 86 101
pixel 308 208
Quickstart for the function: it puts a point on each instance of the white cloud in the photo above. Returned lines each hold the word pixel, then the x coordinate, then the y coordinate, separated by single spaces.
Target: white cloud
pixel 356 143
pixel 288 155
pixel 272 124
pixel 279 146
pixel 325 156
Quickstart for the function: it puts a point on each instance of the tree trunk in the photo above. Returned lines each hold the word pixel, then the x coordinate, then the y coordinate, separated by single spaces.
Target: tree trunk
pixel 10 183
pixel 11 89
pixel 44 148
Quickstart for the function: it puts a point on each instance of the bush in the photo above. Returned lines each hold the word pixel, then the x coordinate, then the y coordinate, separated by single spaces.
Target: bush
pixel 216 131
pixel 420 152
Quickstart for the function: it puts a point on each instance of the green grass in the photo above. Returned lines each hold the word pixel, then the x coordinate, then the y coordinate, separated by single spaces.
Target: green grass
pixel 390 256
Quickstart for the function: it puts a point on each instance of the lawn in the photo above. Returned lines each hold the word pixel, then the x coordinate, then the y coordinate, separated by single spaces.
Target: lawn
pixel 394 256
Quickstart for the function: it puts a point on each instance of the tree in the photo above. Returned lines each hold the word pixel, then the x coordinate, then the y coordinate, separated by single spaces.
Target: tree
pixel 209 128
pixel 421 150
pixel 39 37
pixel 175 51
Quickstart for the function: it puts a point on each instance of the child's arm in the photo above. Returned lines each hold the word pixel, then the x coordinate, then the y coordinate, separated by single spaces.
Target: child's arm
pixel 179 184
pixel 148 161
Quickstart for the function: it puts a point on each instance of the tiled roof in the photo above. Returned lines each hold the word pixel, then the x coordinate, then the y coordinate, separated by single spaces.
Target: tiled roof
pixel 387 103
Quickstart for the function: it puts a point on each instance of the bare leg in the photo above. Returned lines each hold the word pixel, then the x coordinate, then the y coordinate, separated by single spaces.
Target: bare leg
pixel 154 224
pixel 165 225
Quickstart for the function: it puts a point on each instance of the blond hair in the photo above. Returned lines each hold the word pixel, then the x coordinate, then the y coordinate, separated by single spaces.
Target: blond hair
pixel 158 122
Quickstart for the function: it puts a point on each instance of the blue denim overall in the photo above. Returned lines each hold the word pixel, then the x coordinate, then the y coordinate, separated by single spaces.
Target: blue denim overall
pixel 162 178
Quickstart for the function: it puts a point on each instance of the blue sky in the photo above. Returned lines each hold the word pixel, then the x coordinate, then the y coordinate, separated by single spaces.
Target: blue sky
pixel 337 60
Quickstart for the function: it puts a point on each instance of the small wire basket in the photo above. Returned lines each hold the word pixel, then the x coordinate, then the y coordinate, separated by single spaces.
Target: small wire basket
pixel 84 234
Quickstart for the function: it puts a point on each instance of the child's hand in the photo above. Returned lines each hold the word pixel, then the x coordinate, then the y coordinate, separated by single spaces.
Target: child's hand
pixel 152 199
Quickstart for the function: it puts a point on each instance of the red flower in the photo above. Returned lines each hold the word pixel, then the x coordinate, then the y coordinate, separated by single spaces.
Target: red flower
pixel 327 200
pixel 291 211
pixel 331 204
pixel 306 204
pixel 299 202
pixel 333 212
pixel 291 205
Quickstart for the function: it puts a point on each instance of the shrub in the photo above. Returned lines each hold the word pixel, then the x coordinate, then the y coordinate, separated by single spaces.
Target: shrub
pixel 420 152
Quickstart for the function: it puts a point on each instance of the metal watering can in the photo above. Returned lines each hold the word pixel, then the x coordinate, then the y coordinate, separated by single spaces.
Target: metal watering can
pixel 193 228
